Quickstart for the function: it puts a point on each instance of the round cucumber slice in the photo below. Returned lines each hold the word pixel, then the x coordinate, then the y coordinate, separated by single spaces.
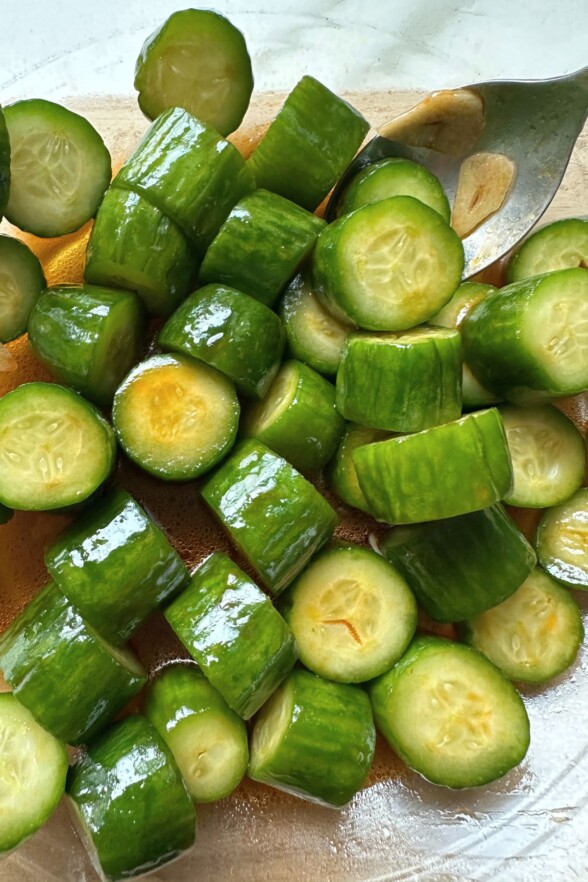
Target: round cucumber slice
pixel 534 635
pixel 60 168
pixel 351 613
pixel 55 448
pixel 21 282
pixel 4 164
pixel 560 245
pixel 562 541
pixel 175 417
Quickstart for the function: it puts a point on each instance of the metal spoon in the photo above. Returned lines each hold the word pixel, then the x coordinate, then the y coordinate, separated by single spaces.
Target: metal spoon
pixel 536 124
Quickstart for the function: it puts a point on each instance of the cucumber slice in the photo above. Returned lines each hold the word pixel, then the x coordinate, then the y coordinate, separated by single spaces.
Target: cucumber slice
pixel 395 177
pixel 21 282
pixel 175 417
pixel 199 61
pixel 314 336
pixel 70 679
pixel 534 635
pixel 401 382
pixel 134 246
pixel 130 801
pixel 276 518
pixel 115 566
pixel 4 164
pixel 309 144
pixel 387 266
pixel 60 168
pixel 315 739
pixel 528 342
pixel 548 455
pixel 55 448
pixel 230 331
pixel 208 739
pixel 88 337
pixel 451 715
pixel 559 245
pixel 297 418
pixel 32 774
pixel 230 628
pixel 562 541
pixel 352 614
pixel 342 473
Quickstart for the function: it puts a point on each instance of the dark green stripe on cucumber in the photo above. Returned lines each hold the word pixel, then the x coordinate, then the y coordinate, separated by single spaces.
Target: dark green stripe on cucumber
pixel 4 164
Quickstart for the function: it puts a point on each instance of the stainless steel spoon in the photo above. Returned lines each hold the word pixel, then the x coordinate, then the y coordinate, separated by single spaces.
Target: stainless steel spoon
pixel 536 124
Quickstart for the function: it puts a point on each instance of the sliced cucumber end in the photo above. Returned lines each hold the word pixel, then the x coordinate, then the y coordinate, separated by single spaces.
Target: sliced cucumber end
pixel 271 726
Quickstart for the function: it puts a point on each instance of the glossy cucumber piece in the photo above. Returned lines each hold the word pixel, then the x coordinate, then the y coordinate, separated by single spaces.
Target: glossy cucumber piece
pixel 352 614
pixel 342 475
pixel 230 331
pixel 548 455
pixel 60 168
pixel 56 449
pixel 314 739
pixel 208 739
pixel 450 714
pixel 135 246
pixel 229 626
pixel 4 164
pixel 462 566
pixel 387 266
pixel 34 767
pixel 115 566
pixel 175 417
pixel 527 342
pixel 401 382
pixel 534 635
pixel 309 144
pixel 71 680
pixel 184 168
pixel 199 61
pixel 297 418
pixel 261 245
pixel 88 337
pixel 562 541
pixel 130 801
pixel 442 472
pixel 21 282
pixel 395 177
pixel 314 336
pixel 559 245
pixel 276 518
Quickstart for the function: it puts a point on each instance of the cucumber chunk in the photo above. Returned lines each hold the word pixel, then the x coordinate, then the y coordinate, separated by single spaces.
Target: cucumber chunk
pixel 548 455
pixel 60 168
pixel 175 417
pixel 4 164
pixel 352 614
pixel 130 801
pixel 559 245
pixel 562 541
pixel 314 739
pixel 342 473
pixel 55 448
pixel 451 715
pixel 208 739
pixel 534 635
pixel 199 61
pixel 32 773
pixel 21 282
pixel 387 266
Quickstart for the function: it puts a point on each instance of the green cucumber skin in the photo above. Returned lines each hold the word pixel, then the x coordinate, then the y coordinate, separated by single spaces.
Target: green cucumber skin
pixel 342 474
pixel 187 171
pixel 116 566
pixel 4 164
pixel 570 574
pixel 62 672
pixel 67 327
pixel 261 245
pixel 230 628
pixel 460 567
pixel 5 514
pixel 441 472
pixel 134 246
pixel 308 432
pixel 131 798
pixel 536 255
pixel 230 331
pixel 272 514
pixel 402 383
pixel 329 746
pixel 309 144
